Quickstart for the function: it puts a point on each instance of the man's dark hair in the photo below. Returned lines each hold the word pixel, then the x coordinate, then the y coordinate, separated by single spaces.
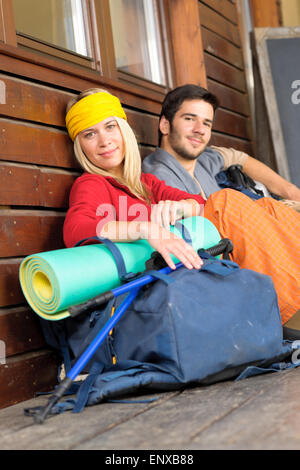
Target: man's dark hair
pixel 174 99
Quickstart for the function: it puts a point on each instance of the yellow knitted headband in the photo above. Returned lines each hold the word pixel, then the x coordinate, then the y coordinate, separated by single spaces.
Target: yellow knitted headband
pixel 92 109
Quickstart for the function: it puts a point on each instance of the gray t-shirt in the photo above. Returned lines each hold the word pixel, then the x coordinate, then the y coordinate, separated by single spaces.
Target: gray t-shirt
pixel 161 164
pixel 213 160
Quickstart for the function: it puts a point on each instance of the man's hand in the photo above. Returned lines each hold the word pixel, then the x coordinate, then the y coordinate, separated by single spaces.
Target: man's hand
pixel 293 193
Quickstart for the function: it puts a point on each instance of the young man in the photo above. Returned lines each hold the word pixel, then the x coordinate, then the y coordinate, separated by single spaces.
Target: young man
pixel 262 231
pixel 184 159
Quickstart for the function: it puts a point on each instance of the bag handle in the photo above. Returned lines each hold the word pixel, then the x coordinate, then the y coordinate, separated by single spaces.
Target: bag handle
pixel 216 266
pixel 228 247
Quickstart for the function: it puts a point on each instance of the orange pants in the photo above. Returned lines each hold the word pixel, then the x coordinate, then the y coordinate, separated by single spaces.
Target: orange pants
pixel 266 238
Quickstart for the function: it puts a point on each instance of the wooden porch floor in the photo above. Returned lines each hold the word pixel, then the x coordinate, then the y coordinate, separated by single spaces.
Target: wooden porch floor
pixel 261 412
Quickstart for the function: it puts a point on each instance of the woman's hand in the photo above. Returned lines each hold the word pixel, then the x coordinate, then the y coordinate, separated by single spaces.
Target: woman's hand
pixel 166 213
pixel 167 244
pixel 161 239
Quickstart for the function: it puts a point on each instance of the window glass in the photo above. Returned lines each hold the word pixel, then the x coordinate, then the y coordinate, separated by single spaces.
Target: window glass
pixel 61 23
pixel 137 40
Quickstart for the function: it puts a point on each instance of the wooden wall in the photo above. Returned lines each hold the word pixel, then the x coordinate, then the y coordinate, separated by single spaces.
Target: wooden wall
pixel 37 166
pixel 225 70
pixel 34 156
pixel 266 14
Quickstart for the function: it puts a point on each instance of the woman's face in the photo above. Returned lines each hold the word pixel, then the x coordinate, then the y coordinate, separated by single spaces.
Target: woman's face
pixel 103 145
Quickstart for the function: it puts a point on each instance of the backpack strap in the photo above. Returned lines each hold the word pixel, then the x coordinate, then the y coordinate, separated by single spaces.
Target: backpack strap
pixel 161 276
pixel 83 393
pixel 184 232
pixel 124 276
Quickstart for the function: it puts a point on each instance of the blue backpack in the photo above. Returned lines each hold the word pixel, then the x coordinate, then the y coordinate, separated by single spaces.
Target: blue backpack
pixel 188 328
pixel 235 178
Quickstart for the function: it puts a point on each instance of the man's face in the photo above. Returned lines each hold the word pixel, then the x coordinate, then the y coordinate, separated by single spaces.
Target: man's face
pixel 190 131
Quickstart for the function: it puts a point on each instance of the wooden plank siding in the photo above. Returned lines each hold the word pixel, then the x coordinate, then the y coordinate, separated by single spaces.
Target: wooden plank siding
pixel 37 165
pixel 266 14
pixel 37 169
pixel 224 62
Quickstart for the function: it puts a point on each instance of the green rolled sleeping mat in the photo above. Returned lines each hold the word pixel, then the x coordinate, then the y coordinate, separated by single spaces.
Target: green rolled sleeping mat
pixel 55 280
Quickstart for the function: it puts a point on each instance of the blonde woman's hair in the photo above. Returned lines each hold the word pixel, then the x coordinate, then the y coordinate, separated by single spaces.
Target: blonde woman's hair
pixel 132 161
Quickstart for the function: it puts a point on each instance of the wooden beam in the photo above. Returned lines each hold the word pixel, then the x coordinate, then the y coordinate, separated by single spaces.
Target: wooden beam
pixel 7 23
pixel 266 14
pixel 23 376
pixel 187 44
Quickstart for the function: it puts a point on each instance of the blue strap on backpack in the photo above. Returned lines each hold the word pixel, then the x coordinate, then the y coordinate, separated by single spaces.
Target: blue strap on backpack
pixel 124 276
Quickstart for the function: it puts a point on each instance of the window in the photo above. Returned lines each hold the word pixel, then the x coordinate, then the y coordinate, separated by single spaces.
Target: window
pixel 120 39
pixel 60 23
pixel 137 40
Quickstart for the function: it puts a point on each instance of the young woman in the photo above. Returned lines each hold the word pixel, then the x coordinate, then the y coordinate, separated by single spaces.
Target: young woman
pixel 115 200
pixel 112 198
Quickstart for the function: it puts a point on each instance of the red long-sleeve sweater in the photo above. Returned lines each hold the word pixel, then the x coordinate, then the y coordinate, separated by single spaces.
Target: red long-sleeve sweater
pixel 96 200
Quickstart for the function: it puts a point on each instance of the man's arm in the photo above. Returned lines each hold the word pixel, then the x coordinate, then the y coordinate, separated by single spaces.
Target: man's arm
pixel 258 171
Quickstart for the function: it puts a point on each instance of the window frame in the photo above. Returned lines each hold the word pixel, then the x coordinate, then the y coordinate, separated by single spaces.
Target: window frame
pixel 30 43
pixel 137 80
pixel 102 60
